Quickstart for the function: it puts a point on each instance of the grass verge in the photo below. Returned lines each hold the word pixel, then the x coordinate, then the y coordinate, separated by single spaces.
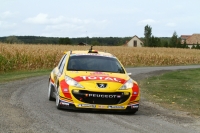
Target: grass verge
pixel 10 76
pixel 174 90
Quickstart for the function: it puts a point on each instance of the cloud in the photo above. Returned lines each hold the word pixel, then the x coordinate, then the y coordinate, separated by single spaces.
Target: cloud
pixel 61 20
pixel 7 14
pixel 39 19
pixel 78 24
pixel 171 24
pixel 66 26
pixel 147 21
pixel 44 19
pixel 76 27
pixel 6 25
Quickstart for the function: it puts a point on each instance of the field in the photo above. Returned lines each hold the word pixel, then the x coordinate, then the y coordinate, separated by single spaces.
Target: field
pixel 177 90
pixel 15 57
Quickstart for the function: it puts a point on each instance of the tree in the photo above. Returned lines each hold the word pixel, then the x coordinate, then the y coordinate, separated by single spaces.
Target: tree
pixel 13 39
pixel 179 45
pixel 147 35
pixel 197 47
pixel 193 47
pixel 184 45
pixel 173 40
pixel 95 43
pixel 165 43
pixel 154 42
pixel 64 41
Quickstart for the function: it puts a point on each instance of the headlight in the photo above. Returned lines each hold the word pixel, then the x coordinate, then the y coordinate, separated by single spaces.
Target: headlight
pixel 72 82
pixel 127 85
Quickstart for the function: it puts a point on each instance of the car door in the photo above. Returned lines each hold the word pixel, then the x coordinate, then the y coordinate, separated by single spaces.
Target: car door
pixel 62 65
pixel 58 70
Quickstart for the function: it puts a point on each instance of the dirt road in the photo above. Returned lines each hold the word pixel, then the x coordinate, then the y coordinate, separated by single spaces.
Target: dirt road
pixel 24 108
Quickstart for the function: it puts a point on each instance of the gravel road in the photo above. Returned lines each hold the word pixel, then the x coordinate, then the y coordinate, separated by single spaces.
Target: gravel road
pixel 24 108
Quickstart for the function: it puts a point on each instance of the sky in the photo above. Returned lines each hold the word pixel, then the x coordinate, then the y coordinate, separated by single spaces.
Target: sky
pixel 98 18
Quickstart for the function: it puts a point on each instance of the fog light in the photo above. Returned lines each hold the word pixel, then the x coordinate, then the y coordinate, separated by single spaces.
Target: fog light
pixel 126 93
pixel 76 91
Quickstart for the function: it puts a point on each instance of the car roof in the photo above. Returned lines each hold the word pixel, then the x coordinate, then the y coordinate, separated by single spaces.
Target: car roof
pixel 94 52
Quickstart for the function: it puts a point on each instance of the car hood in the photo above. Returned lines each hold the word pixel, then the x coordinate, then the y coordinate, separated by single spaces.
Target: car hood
pixel 93 80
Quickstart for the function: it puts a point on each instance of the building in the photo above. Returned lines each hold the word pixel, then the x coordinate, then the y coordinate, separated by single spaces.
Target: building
pixel 184 38
pixel 82 44
pixel 134 42
pixel 190 40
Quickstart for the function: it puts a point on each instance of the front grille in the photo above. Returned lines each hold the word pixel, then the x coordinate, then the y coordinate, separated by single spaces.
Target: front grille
pixel 100 97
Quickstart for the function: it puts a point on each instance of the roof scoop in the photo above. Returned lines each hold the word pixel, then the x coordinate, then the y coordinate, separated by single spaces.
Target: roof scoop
pixel 92 51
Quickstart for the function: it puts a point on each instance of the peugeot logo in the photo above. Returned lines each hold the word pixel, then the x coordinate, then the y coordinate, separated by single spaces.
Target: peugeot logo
pixel 101 85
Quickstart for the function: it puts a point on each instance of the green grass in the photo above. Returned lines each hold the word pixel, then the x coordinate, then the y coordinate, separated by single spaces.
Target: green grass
pixel 10 76
pixel 175 90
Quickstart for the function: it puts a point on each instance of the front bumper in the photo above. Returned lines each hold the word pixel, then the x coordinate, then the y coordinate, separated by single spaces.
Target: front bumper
pixel 86 106
pixel 101 98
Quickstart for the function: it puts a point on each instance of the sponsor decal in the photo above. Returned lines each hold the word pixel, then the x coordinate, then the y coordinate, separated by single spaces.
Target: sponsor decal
pixel 65 90
pixel 134 106
pixel 102 96
pixel 115 107
pixel 118 96
pixel 87 105
pixel 63 86
pixel 102 106
pixel 135 93
pixel 103 78
pixel 63 103
pixel 63 100
pixel 100 78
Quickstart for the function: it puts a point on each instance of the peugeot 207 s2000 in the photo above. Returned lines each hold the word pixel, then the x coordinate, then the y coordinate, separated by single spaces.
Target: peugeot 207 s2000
pixel 93 80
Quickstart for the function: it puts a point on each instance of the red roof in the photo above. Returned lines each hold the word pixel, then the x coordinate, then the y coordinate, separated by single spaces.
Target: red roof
pixel 191 39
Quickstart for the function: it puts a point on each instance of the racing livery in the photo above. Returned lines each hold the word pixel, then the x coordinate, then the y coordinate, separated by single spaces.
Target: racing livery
pixel 92 80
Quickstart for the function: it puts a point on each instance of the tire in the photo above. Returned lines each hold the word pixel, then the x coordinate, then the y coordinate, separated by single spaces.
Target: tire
pixel 58 100
pixel 50 93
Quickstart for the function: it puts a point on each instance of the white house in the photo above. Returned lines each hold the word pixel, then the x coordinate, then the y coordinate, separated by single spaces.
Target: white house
pixel 135 42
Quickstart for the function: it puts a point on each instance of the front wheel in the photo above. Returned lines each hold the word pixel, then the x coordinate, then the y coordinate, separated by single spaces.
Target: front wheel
pixel 50 93
pixel 58 100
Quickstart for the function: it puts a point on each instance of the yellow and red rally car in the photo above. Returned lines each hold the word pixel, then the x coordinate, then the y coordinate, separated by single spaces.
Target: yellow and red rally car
pixel 93 80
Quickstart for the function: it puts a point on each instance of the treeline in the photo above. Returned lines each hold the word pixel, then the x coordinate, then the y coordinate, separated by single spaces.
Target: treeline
pixel 31 40
pixel 110 41
pixel 106 41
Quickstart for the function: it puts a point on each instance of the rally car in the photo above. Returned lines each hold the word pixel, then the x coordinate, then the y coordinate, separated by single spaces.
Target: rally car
pixel 92 80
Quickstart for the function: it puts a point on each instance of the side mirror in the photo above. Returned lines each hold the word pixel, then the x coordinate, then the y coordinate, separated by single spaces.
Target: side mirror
pixel 129 74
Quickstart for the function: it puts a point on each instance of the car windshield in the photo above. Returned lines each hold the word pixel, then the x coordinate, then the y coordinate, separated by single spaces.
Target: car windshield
pixel 94 63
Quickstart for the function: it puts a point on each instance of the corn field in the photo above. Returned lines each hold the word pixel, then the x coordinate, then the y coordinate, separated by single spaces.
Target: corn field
pixel 16 57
